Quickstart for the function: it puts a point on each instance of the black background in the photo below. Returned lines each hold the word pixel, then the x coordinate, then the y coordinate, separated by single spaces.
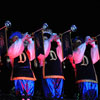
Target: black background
pixel 30 16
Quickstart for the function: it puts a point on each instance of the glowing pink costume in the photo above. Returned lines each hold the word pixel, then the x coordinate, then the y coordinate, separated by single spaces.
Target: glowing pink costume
pixel 22 73
pixel 52 69
pixel 86 79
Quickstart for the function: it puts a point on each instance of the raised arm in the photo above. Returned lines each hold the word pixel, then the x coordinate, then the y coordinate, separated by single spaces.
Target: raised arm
pixel 16 48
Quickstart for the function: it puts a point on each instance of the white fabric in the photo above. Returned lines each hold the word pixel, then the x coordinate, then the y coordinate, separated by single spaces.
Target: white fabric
pixel 17 48
pixel 95 54
pixel 47 47
pixel 79 53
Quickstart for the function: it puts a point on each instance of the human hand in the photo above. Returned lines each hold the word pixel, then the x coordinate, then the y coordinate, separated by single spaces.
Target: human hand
pixel 90 41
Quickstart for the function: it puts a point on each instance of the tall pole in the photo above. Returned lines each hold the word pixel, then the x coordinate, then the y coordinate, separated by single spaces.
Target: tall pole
pixel 7 25
pixel 6 40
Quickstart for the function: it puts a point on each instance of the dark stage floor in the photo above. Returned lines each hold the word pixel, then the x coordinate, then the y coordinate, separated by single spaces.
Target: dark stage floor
pixel 10 95
pixel 36 97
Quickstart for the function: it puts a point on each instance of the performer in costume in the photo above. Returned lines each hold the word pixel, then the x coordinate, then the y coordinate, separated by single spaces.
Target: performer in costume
pixel 84 56
pixel 20 55
pixel 52 66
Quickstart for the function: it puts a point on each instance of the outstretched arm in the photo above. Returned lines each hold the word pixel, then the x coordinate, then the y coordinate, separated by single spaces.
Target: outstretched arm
pixel 16 48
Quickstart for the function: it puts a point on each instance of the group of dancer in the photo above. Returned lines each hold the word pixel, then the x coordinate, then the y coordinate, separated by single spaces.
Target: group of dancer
pixel 22 55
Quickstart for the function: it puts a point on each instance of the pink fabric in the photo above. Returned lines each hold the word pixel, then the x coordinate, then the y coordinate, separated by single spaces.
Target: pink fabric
pixel 17 48
pixel 79 54
pixel 95 54
pixel 47 47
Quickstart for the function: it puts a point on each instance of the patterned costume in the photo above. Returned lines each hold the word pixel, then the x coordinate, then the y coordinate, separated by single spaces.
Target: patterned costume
pixel 52 68
pixel 20 58
pixel 86 79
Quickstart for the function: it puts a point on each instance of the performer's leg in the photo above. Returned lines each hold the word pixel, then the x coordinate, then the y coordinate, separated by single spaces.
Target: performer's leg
pixel 88 90
pixel 48 88
pixel 59 89
pixel 24 88
pixel 18 89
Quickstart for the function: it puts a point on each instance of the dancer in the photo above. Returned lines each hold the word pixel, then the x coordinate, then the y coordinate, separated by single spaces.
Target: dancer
pixel 20 55
pixel 85 54
pixel 51 63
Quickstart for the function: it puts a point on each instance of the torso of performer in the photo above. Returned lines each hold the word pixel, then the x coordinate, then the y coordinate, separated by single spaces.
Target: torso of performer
pixel 20 60
pixel 53 64
pixel 85 56
pixel 85 69
pixel 53 59
pixel 22 68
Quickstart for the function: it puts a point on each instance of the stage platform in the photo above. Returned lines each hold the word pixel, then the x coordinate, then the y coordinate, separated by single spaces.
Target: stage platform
pixel 37 96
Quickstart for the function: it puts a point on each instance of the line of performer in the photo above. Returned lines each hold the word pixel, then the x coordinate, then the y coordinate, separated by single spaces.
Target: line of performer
pixel 41 57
